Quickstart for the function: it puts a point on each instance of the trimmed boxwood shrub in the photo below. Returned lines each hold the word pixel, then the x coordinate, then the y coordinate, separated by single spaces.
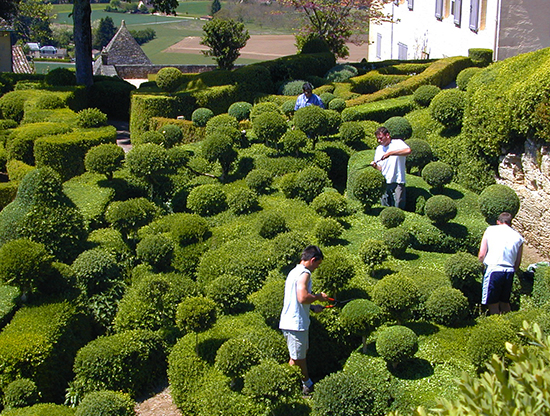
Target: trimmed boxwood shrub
pixel 287 108
pixel 496 199
pixel 399 127
pixel 446 306
pixel 49 102
pixel 240 110
pixel 366 186
pixel 440 209
pixel 229 292
pixel 326 98
pixel 130 215
pixel 360 317
pixel 156 250
pixel 293 140
pixel 20 393
pixel 243 201
pixel 41 409
pixel 396 294
pixel 236 356
pixel 151 136
pixel 201 116
pixel 463 78
pixel 311 120
pixel 341 73
pixel 12 105
pixel 104 159
pixel 60 77
pixel 268 301
pixel 287 247
pixel 263 107
pixel 172 135
pixel 464 270
pixel 269 126
pixel 421 154
pixel 480 56
pixel 391 217
pixel 220 147
pixel 95 270
pixel 310 182
pixel 271 382
pixel 327 231
pixel 271 224
pixel 221 121
pixel 397 240
pixel 396 344
pixel 206 200
pixel 330 204
pixel 447 107
pixel 106 403
pixel 293 87
pixel 373 252
pixel 424 94
pixel 169 79
pixel 337 104
pixel 437 174
pixel 196 314
pixel 259 180
pixel 91 117
pixel 336 270
pixel 352 132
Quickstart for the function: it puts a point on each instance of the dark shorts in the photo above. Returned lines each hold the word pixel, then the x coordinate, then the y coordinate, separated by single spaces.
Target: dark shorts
pixel 497 287
pixel 394 196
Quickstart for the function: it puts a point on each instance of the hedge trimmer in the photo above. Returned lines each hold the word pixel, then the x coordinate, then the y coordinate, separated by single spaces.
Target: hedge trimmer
pixel 336 302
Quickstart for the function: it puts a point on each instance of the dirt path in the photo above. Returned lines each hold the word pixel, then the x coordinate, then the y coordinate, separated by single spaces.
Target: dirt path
pixel 160 404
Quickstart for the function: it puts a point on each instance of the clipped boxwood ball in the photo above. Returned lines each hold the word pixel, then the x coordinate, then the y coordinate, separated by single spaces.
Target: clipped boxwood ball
pixel 496 199
pixel 397 294
pixel 91 117
pixel 399 127
pixel 463 269
pixel 330 204
pixel 446 306
pixel 169 79
pixel 172 135
pixel 106 403
pixel 447 107
pixel 464 76
pixel 269 126
pixel 60 77
pixel 263 107
pixel 20 393
pixel 391 217
pixel 366 186
pixel 396 344
pixel 341 73
pixel 421 154
pixel 236 356
pixel 156 250
pixel 326 98
pixel 312 120
pixel 229 292
pixel 207 200
pixel 243 201
pixel 293 87
pixel 440 209
pixel 489 337
pixel 337 104
pixel 104 159
pixel 196 314
pixel 240 110
pixel 352 132
pixel 201 116
pixel 271 224
pixel 397 240
pixel 259 181
pixel 437 174
pixel 287 108
pixel 373 252
pixel 424 94
pixel 293 140
pixel 269 382
pixel 328 230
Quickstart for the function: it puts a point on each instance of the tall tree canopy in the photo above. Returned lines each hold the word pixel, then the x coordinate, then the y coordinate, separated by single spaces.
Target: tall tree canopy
pixel 30 19
pixel 224 38
pixel 336 21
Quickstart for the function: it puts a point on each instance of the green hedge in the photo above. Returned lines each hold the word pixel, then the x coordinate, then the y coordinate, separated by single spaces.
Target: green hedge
pixel 41 409
pixel 9 296
pixel 145 107
pixel 381 110
pixel 40 343
pixel 8 190
pixel 65 152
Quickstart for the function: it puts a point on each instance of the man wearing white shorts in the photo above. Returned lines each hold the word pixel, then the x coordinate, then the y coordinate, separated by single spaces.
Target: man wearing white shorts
pixel 294 320
pixel 501 249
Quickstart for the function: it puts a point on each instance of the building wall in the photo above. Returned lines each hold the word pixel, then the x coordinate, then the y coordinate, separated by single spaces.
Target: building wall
pixel 5 52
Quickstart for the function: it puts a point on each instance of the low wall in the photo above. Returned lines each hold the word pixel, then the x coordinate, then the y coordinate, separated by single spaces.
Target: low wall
pixel 141 71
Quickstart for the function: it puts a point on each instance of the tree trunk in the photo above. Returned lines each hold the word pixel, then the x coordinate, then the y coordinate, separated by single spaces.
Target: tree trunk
pixel 82 12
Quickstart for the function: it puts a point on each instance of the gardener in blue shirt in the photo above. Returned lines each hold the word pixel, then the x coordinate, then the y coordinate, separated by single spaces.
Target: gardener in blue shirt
pixel 308 98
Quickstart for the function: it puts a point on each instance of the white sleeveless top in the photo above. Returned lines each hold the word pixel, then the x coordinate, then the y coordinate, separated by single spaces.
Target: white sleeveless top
pixel 295 316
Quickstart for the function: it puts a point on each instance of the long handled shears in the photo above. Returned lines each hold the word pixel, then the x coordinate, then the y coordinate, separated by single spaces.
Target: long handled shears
pixel 335 302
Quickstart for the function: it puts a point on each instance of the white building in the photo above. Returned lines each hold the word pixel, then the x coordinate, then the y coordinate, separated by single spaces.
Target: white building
pixel 440 28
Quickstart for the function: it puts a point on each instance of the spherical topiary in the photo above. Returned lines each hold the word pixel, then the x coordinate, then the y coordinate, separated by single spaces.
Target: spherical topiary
pixel 424 94
pixel 268 301
pixel 236 356
pixel 314 44
pixel 391 217
pixel 396 344
pixel 287 247
pixel 447 107
pixel 437 174
pixel 271 224
pixel 196 314
pixel 150 136
pixel 207 200
pixel 336 270
pixel 421 154
pixel 130 215
pixel 240 110
pixel 201 115
pixel 440 209
pixel 287 108
pixel 399 127
pixel 60 77
pixel 397 240
pixel 259 180
pixel 327 231
pixel 341 73
pixel 326 98
pixel 463 269
pixel 496 199
pixel 360 316
pixel 156 250
pixel 446 306
pixel 20 393
pixel 311 120
pixel 228 292
pixel 464 76
pixel 104 159
pixel 293 87
pixel 481 56
pixel 373 252
pixel 310 182
pixel 351 114
pixel 269 126
pixel 263 107
pixel 352 132
pixel 243 201
pixel 49 102
pixel 396 294
pixel 106 403
pixel 91 117
pixel 219 121
pixel 220 148
pixel 367 186
pixel 172 135
pixel 330 204
pixel 169 79
pixel 337 104
pixel 293 140
pixel 334 120
pixel 270 382
pixel 95 270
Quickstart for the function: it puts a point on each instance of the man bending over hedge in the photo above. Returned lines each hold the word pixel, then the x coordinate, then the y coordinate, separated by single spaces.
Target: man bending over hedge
pixel 294 320
pixel 389 158
pixel 501 249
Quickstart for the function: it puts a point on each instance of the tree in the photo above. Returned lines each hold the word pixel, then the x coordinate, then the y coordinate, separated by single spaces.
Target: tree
pixel 336 21
pixel 224 38
pixel 216 7
pixel 8 9
pixel 32 21
pixel 104 33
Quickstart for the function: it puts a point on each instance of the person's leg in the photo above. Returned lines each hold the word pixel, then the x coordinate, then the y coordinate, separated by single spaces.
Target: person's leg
pixel 493 309
pixel 504 307
pixel 400 196
pixel 507 281
pixel 298 344
pixel 302 364
pixel 386 198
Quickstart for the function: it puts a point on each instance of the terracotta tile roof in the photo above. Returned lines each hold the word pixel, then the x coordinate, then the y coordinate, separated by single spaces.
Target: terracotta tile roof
pixel 19 62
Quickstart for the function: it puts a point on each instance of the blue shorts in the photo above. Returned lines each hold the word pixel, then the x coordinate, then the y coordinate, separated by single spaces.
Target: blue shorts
pixel 297 343
pixel 497 287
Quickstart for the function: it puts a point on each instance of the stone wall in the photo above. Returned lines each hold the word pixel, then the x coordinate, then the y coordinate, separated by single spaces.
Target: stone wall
pixel 141 71
pixel 529 175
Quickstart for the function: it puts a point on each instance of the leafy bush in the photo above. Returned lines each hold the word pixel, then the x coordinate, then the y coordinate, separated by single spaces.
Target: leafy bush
pixel 311 120
pixel 446 306
pixel 424 94
pixel 399 127
pixel 263 107
pixel 60 77
pixel 373 252
pixel 268 301
pixel 447 107
pixel 169 79
pixel 20 393
pixel 201 116
pixel 293 140
pixel 327 231
pixel 271 224
pixel 229 292
pixel 336 270
pixel 271 382
pixel 287 247
pixel 49 102
pixel 240 110
pixel 220 147
pixel 269 126
pixel 330 204
pixel 91 117
pixel 95 270
pixel 310 182
pixel 314 44
pixel 396 294
pixel 437 174
pixel 293 87
pixel 480 56
pixel 391 217
pixel 496 199
pixel 259 181
pixel 421 154
pixel 150 136
pixel 106 403
pixel 221 121
pixel 464 270
pixel 156 250
pixel 440 209
pixel 337 104
pixel 243 201
pixel 104 159
pixel 207 200
pixel 172 135
pixel 396 344
pixel 360 317
pixel 352 132
pixel 463 78
pixel 130 215
pixel 326 98
pixel 287 108
pixel 397 240
pixel 341 73
pixel 41 409
pixel 236 356
pixel 367 186
pixel 196 314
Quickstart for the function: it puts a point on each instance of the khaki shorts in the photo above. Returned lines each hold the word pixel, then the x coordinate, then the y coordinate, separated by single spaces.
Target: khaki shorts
pixel 297 343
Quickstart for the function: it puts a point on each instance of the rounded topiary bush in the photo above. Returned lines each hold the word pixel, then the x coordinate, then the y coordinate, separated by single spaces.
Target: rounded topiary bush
pixel 327 231
pixel 351 132
pixel 496 199
pixel 391 217
pixel 421 154
pixel 396 294
pixel 271 224
pixel 330 204
pixel 106 403
pixel 399 127
pixel 207 200
pixel 20 393
pixel 287 108
pixel 269 126
pixel 447 107
pixel 240 110
pixel 440 209
pixel 326 98
pixel 397 240
pixel 337 104
pixel 367 186
pixel 263 107
pixel 150 136
pixel 464 76
pixel 243 201
pixel 311 120
pixel 437 174
pixel 49 102
pixel 310 182
pixel 104 159
pixel 196 314
pixel 424 94
pixel 341 73
pixel 229 292
pixel 293 140
pixel 236 356
pixel 464 270
pixel 156 250
pixel 259 180
pixel 373 252
pixel 268 301
pixel 336 270
pixel 201 116
pixel 314 44
pixel 481 56
pixel 130 215
pixel 221 121
pixel 95 270
pixel 446 306
pixel 287 247
pixel 360 316
pixel 293 87
pixel 60 77
pixel 172 135
pixel 91 117
pixel 396 344
pixel 169 79
pixel 188 228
